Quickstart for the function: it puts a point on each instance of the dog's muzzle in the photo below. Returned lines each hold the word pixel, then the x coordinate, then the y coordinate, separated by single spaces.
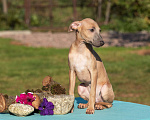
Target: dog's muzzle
pixel 102 43
pixel 98 43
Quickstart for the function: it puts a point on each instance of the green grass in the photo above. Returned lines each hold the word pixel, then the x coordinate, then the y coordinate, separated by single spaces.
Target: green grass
pixel 24 68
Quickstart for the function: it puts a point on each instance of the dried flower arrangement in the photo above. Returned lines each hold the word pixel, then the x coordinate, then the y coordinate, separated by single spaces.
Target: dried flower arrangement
pixel 35 98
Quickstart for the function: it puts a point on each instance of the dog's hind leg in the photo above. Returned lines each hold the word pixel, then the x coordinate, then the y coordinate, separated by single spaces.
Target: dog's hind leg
pixel 105 97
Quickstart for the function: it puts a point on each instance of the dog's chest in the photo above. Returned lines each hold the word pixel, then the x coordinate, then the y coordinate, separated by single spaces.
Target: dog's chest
pixel 79 62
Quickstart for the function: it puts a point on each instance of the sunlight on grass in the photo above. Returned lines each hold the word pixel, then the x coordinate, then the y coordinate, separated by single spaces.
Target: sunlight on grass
pixel 25 67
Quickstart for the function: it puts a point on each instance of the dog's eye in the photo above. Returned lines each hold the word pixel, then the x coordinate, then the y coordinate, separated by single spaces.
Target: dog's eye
pixel 100 30
pixel 92 30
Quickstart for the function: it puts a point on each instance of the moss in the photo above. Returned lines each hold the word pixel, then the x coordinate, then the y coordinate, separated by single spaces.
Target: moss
pixel 45 88
pixel 38 91
pixel 28 90
pixel 34 91
pixel 57 89
pixel 6 96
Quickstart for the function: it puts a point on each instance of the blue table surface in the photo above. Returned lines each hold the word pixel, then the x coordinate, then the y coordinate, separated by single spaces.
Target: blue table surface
pixel 119 111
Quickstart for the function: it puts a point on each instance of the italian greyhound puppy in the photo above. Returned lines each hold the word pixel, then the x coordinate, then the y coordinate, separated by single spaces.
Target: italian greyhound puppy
pixel 85 63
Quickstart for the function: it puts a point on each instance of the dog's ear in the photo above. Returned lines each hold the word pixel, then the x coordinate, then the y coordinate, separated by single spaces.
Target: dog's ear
pixel 74 26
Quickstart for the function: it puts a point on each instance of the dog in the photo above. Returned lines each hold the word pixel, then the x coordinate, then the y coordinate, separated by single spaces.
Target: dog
pixel 85 63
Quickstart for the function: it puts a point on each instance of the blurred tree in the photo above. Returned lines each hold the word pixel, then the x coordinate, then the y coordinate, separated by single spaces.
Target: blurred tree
pixel 107 15
pixel 99 10
pixel 74 9
pixel 27 4
pixel 130 15
pixel 5 9
pixel 118 15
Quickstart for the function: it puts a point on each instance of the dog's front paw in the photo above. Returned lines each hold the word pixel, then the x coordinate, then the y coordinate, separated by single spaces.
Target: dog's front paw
pixel 90 111
pixel 82 106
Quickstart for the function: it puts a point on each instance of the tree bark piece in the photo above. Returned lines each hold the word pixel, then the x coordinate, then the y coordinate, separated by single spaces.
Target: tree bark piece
pixel 5 102
pixel 2 103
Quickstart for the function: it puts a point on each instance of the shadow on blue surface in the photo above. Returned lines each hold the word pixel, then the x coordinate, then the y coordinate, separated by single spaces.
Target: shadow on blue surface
pixel 119 111
pixel 80 100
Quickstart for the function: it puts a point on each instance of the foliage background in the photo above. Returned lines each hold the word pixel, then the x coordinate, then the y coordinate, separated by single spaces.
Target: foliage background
pixel 125 15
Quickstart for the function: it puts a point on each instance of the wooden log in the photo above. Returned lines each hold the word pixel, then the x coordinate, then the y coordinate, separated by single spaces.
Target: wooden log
pixel 5 102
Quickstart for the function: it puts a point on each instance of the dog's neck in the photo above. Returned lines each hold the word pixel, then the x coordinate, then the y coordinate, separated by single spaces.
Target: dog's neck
pixel 81 44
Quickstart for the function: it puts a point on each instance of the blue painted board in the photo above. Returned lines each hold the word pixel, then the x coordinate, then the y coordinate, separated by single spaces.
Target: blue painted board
pixel 119 111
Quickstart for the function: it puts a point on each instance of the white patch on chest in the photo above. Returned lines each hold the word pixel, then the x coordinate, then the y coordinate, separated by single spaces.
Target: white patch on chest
pixel 79 62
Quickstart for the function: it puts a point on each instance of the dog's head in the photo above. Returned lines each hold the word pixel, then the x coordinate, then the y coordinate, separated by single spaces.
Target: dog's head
pixel 89 31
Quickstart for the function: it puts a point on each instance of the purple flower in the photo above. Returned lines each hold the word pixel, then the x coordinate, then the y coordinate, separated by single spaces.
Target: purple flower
pixel 46 107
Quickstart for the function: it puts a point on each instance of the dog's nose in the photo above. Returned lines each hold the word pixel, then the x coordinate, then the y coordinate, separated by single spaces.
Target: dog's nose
pixel 102 43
